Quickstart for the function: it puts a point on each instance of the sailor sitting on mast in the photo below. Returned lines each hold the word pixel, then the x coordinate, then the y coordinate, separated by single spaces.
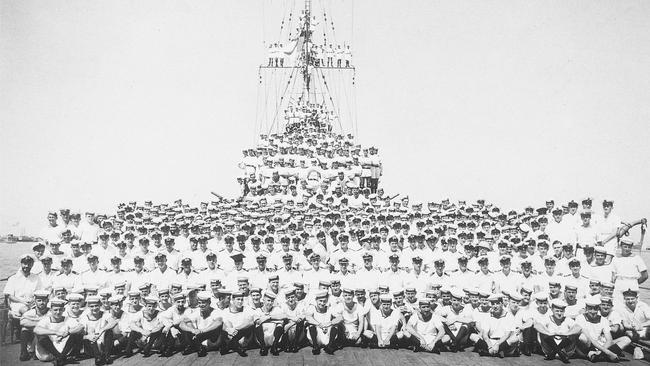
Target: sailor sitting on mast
pixel 271 51
pixel 347 55
pixel 330 55
pixel 339 56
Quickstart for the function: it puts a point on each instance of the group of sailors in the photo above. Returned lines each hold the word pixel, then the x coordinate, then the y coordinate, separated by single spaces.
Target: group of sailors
pixel 301 164
pixel 357 269
pixel 323 55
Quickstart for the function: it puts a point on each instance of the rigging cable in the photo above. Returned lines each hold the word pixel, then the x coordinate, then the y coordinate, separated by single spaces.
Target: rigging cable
pixel 282 98
pixel 330 96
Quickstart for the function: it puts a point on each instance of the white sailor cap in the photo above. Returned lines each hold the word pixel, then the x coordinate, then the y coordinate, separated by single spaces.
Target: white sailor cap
pixel 115 299
pixel 385 298
pixel 593 300
pixel 559 303
pixel 541 296
pixel 457 293
pixel 204 295
pixel 41 293
pixel 495 297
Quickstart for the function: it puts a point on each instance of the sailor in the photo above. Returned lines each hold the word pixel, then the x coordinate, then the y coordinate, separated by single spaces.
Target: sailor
pixel 93 276
pixel 329 53
pixel 462 276
pixel 52 232
pixel 600 270
pixel 425 330
pixel 137 276
pixel 29 320
pixel 259 276
pixel 629 269
pixel 293 332
pixel 367 277
pixel 635 316
pixel 146 327
pixel 586 232
pixel 528 336
pixel 416 278
pixel 383 324
pixel 558 333
pixel 47 275
pixel 595 340
pixel 457 321
pixel 339 56
pixel 323 324
pixel 143 252
pixel 212 272
pixel 163 276
pixel 201 328
pixel 98 338
pixel 576 279
pixel 269 325
pixel 484 280
pixel 187 276
pixel 173 256
pixel 55 252
pixel 439 276
pixel 238 325
pixel 574 305
pixel 354 316
pixel 104 294
pixel 80 263
pixel 506 280
pixel 496 332
pixel 20 289
pixel 271 54
pixel 347 55
pixel 116 274
pixel 312 276
pixel 171 318
pixel 287 274
pixel 56 334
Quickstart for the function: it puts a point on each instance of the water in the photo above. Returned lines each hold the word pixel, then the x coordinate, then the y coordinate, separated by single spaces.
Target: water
pixel 9 254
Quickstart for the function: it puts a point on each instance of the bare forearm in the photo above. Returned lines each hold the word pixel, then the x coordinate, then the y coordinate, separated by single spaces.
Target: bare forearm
pixel 186 327
pixel 215 325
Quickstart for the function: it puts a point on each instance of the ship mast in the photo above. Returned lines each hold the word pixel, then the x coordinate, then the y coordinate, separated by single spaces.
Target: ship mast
pixel 327 88
pixel 306 51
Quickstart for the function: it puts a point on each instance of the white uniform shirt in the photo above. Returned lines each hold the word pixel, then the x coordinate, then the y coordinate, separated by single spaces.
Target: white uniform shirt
pixel 595 330
pixel 21 286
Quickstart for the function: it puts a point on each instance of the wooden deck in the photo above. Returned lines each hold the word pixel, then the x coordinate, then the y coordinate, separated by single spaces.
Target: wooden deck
pixel 348 356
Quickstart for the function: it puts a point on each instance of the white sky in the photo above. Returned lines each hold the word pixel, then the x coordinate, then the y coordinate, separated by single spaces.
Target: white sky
pixel 512 101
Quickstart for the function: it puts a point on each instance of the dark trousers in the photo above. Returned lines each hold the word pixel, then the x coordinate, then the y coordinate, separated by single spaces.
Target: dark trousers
pixel 458 341
pixel 529 343
pixel 505 349
pixel 334 333
pixel 374 341
pixel 567 345
pixel 26 337
pixel 168 343
pixel 374 184
pixel 194 341
pixel 146 350
pixel 233 343
pixel 277 334
pixel 74 340
pixel 293 345
pixel 100 353
pixel 417 346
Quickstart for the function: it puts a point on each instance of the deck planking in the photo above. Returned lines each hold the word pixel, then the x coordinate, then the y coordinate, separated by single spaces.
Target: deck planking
pixel 349 356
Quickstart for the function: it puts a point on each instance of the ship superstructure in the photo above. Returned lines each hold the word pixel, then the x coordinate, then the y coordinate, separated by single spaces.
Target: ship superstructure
pixel 306 114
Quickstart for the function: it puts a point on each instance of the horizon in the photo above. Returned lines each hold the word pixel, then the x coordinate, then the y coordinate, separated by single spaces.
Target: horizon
pixel 105 103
